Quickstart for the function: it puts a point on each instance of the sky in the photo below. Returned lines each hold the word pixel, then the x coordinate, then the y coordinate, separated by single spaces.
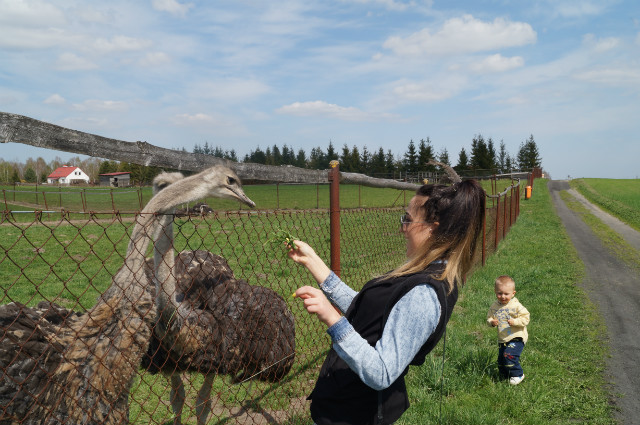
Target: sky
pixel 244 74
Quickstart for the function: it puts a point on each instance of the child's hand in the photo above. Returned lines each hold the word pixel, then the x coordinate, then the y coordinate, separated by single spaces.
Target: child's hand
pixel 510 322
pixel 494 322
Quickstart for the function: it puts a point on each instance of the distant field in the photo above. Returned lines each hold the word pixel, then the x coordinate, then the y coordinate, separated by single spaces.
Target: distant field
pixel 267 196
pixel 616 196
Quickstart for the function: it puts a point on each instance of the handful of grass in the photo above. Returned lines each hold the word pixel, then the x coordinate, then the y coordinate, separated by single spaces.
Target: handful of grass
pixel 282 236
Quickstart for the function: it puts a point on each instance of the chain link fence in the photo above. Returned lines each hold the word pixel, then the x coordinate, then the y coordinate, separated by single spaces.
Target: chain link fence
pixel 233 275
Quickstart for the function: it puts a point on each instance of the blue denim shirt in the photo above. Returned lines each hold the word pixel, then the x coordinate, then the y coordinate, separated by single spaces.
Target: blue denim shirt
pixel 411 321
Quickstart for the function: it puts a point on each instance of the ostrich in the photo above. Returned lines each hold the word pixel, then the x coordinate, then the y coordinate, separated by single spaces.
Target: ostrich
pixel 78 369
pixel 213 323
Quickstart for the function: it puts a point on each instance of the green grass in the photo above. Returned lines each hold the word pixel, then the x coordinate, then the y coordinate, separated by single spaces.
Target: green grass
pixel 267 196
pixel 619 197
pixel 563 360
pixel 71 262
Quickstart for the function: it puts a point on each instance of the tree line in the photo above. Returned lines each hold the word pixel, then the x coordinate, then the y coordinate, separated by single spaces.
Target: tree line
pixel 482 158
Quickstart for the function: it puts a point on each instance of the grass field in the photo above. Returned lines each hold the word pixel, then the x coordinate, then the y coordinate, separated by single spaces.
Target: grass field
pixel 620 198
pixel 563 360
pixel 267 196
pixel 71 262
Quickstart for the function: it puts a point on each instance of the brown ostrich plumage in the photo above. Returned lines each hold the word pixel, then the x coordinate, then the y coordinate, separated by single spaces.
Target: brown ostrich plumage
pixel 244 331
pixel 213 323
pixel 58 368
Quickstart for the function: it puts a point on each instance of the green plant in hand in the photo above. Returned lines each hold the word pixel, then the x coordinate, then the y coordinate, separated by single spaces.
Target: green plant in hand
pixel 283 236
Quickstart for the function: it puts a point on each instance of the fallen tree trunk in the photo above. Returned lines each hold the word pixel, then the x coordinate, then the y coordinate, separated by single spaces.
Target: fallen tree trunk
pixel 21 129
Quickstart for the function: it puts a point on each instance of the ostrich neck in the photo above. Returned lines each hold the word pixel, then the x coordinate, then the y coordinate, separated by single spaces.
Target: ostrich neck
pixel 164 270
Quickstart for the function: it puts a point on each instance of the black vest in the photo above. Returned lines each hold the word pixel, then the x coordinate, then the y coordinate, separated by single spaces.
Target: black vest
pixel 340 397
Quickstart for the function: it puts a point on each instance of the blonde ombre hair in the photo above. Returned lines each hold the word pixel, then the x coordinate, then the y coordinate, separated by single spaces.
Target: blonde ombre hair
pixel 456 214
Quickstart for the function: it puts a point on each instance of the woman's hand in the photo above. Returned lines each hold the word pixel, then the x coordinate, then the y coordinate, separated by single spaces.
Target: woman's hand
pixel 305 255
pixel 316 303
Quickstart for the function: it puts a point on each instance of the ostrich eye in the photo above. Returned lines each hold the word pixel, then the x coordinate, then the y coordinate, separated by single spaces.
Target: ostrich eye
pixel 231 181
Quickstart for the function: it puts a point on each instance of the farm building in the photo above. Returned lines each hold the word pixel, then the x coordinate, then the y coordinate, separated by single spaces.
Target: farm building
pixel 67 174
pixel 120 179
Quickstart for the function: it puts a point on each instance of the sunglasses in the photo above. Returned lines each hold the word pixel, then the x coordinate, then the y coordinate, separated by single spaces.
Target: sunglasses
pixel 405 220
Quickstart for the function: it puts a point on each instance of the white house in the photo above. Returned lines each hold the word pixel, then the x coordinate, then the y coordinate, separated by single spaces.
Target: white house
pixel 67 175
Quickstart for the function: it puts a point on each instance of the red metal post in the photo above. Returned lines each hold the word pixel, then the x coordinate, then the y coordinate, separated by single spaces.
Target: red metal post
pixel 334 216
pixel 484 239
pixel 504 222
pixel 497 222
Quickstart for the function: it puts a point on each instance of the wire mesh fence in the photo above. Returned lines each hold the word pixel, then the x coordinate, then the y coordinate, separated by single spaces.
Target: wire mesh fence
pixel 247 349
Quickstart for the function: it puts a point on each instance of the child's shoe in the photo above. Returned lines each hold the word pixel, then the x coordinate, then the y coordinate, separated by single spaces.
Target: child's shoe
pixel 515 380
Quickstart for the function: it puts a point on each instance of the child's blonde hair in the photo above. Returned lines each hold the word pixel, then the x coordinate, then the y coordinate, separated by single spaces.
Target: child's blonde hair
pixel 504 280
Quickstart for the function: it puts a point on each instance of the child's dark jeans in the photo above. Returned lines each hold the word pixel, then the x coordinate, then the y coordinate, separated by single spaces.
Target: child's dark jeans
pixel 509 358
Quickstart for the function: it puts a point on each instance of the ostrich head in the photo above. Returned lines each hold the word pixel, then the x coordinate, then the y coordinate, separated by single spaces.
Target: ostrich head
pixel 217 182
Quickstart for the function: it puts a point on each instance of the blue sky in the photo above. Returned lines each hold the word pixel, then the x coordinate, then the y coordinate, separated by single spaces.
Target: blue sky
pixel 375 73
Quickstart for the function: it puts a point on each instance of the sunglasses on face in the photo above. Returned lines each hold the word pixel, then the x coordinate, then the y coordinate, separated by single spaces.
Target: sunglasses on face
pixel 405 220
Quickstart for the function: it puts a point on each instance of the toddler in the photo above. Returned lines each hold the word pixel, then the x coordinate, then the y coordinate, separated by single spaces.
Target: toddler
pixel 512 319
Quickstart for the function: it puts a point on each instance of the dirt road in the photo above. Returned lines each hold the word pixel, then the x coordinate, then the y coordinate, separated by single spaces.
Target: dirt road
pixel 615 289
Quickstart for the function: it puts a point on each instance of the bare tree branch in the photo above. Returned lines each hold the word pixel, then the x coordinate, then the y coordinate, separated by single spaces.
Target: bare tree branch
pixel 20 129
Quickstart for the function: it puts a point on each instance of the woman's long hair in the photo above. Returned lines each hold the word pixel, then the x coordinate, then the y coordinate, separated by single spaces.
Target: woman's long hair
pixel 457 213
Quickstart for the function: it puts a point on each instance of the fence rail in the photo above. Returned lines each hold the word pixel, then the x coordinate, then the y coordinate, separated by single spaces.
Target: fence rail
pixel 69 260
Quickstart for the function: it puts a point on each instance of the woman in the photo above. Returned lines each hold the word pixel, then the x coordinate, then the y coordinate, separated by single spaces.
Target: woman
pixel 396 319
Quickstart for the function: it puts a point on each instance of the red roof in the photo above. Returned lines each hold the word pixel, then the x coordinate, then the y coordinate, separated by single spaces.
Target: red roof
pixel 61 172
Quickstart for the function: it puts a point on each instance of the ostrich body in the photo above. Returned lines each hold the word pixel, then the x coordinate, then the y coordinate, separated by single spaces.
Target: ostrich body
pixel 213 323
pixel 78 368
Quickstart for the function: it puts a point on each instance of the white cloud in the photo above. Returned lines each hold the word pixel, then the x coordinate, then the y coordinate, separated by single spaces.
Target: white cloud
pixel 600 45
pixel 154 59
pixel 229 90
pixel 320 108
pixel 388 4
pixel 72 62
pixel 29 13
pixel 421 92
pixel 55 99
pixel 213 124
pixel 120 43
pixel 101 105
pixel 497 63
pixel 463 35
pixel 611 76
pixel 577 8
pixel 172 6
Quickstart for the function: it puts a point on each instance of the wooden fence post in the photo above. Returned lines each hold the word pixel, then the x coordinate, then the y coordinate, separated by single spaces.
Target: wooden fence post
pixel 334 216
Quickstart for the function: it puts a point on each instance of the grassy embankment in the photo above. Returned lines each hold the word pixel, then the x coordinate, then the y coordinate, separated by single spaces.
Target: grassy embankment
pixel 618 197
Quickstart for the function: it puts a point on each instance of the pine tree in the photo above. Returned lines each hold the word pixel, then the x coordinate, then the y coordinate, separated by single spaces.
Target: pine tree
pixel 463 161
pixel 365 160
pixel 411 158
pixel 503 158
pixel 528 155
pixel 425 153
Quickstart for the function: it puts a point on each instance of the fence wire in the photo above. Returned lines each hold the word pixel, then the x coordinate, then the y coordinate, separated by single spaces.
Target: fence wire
pixel 247 348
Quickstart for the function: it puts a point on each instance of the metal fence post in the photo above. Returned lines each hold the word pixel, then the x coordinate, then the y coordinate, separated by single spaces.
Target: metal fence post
pixel 334 216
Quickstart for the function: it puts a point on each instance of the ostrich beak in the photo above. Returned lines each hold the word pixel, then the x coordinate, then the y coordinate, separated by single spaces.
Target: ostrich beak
pixel 241 196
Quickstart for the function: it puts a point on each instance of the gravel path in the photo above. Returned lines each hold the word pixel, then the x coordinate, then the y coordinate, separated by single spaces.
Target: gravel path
pixel 615 289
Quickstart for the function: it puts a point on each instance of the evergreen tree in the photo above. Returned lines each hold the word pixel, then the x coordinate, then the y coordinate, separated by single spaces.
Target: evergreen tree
pixel 443 157
pixel 345 159
pixel 411 158
pixel 277 156
pixel 425 153
pixel 463 161
pixel 491 154
pixel 390 163
pixel 301 159
pixel 503 157
pixel 317 159
pixel 356 165
pixel 30 175
pixel 528 155
pixel 15 178
pixel 365 160
pixel 378 165
pixel 480 158
pixel 331 154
